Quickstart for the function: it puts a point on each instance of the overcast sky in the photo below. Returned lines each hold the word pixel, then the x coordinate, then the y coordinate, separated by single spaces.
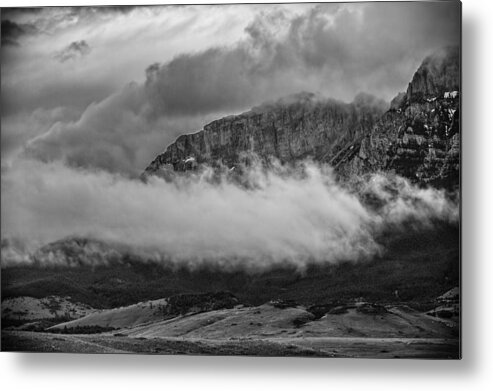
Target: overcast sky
pixel 110 88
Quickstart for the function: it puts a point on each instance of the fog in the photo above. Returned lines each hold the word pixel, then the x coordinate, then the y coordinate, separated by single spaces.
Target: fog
pixel 290 215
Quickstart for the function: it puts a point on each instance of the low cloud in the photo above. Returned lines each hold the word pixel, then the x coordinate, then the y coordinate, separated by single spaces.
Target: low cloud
pixel 289 215
pixel 74 51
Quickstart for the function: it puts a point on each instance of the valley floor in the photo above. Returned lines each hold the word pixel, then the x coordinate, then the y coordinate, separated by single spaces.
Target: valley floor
pixel 362 347
pixel 188 325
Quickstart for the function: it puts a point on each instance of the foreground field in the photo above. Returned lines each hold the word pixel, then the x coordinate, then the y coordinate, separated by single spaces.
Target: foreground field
pixel 307 347
pixel 272 329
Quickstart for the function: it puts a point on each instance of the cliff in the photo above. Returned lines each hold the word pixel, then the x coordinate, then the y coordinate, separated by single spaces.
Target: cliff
pixel 292 128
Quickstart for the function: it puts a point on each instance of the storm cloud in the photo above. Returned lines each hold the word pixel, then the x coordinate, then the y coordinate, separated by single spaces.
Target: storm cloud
pixel 337 50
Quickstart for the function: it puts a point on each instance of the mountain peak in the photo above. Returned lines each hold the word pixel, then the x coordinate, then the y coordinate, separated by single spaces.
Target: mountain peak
pixel 437 74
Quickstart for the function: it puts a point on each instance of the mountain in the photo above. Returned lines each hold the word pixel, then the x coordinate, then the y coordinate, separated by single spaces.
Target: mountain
pixel 417 137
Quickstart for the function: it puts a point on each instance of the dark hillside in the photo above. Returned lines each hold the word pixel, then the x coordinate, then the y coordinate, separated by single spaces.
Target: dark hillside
pixel 419 265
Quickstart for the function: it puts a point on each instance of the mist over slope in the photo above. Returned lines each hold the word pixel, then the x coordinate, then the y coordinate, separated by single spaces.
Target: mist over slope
pixel 263 216
pixel 420 264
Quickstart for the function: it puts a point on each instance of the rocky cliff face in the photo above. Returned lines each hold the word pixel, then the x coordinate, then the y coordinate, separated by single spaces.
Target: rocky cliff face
pixel 418 137
pixel 292 128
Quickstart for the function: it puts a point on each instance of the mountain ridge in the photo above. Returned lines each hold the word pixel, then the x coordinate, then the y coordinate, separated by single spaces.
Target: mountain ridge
pixel 417 137
pixel 289 129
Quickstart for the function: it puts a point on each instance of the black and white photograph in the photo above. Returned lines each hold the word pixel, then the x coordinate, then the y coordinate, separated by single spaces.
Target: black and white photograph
pixel 232 180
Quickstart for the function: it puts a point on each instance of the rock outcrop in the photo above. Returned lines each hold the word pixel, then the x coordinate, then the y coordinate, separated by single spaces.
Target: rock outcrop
pixel 417 137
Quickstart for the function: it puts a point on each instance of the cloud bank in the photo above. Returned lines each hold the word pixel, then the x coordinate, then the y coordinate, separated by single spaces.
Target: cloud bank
pixel 285 215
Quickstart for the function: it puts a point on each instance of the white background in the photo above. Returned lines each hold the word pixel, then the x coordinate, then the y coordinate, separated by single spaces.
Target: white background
pixel 474 371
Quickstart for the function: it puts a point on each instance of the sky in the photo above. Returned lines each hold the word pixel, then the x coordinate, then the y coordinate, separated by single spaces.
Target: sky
pixel 90 96
pixel 111 87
